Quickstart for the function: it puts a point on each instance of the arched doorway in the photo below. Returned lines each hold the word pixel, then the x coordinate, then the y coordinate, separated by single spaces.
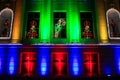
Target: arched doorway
pixel 6 20
pixel 113 23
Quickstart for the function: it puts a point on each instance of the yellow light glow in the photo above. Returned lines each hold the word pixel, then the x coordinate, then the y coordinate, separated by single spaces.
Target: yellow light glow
pixel 102 22
pixel 17 22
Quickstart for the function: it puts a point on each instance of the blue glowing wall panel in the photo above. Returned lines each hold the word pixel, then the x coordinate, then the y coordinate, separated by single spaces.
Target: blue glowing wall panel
pixel 43 66
pixel 1 60
pixel 43 60
pixel 75 61
pixel 12 61
pixel 117 59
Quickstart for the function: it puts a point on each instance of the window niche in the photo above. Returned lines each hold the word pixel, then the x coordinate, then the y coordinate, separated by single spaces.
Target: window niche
pixel 32 25
pixel 113 23
pixel 59 25
pixel 6 21
pixel 86 25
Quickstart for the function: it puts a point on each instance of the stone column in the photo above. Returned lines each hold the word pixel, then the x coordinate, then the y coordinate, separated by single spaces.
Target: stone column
pixel 103 33
pixel 17 21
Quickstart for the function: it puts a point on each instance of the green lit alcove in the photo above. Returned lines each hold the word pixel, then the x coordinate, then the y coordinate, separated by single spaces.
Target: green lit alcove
pixel 46 23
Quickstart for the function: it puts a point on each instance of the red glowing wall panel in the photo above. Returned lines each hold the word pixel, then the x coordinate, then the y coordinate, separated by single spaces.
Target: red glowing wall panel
pixel 91 64
pixel 27 63
pixel 59 63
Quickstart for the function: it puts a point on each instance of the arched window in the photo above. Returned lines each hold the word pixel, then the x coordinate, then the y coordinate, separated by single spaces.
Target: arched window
pixel 6 20
pixel 113 23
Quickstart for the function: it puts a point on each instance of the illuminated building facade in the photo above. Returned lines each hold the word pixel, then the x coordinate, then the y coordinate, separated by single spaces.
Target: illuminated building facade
pixel 60 38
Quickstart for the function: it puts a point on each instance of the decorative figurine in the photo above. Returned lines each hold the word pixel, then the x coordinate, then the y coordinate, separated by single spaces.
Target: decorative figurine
pixel 32 32
pixel 58 27
pixel 87 33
